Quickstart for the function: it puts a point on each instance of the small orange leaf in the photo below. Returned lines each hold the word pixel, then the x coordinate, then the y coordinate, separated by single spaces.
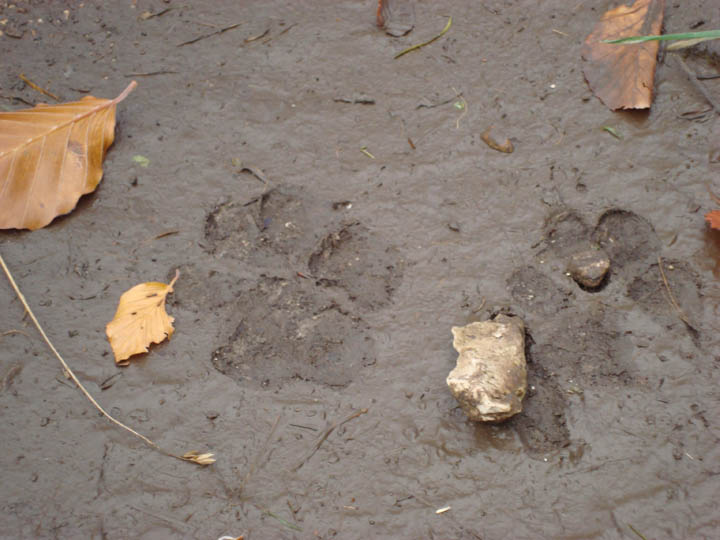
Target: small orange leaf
pixel 140 320
pixel 622 76
pixel 50 156
pixel 713 218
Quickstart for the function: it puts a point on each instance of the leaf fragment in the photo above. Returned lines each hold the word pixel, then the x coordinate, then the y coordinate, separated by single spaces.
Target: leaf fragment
pixel 713 218
pixel 50 156
pixel 623 77
pixel 140 320
pixel 612 131
pixel 141 160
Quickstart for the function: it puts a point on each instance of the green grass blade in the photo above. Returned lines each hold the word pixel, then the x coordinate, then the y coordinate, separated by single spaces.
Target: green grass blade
pixel 706 35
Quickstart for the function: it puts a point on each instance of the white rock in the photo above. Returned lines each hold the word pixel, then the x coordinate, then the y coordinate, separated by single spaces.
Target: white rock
pixel 490 379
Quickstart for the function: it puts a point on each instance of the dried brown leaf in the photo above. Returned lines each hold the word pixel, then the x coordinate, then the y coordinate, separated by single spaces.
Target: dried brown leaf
pixel 622 76
pixel 140 320
pixel 50 156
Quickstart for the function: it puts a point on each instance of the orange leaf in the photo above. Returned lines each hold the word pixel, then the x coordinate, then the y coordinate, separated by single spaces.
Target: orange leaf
pixel 140 320
pixel 713 218
pixel 50 156
pixel 622 76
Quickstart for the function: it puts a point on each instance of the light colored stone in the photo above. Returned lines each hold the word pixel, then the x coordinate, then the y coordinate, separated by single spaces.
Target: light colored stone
pixel 589 267
pixel 490 378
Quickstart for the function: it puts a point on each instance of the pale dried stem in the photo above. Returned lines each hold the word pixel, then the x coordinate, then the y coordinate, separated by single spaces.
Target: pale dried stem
pixel 72 374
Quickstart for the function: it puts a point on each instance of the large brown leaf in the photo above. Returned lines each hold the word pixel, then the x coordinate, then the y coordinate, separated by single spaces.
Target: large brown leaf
pixel 622 76
pixel 50 156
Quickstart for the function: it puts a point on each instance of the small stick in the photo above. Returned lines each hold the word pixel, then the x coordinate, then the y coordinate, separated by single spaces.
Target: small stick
pixel 259 36
pixel 696 83
pixel 194 457
pixel 205 36
pixel 158 14
pixel 10 332
pixel 151 73
pixel 321 439
pixel 287 29
pixel 303 427
pixel 37 88
pixel 673 301
pixel 16 98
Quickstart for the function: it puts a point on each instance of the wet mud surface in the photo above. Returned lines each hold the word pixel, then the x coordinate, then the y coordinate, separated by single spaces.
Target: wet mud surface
pixel 319 282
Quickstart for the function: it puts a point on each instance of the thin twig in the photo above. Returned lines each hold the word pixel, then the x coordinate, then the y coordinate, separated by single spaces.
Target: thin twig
pixel 38 88
pixel 74 377
pixel 205 36
pixel 149 16
pixel 673 301
pixel 18 98
pixel 151 73
pixel 10 332
pixel 259 36
pixel 697 84
pixel 324 435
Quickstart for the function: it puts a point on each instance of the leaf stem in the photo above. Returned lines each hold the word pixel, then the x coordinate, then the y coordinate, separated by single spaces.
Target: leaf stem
pixel 72 374
pixel 428 42
pixel 706 34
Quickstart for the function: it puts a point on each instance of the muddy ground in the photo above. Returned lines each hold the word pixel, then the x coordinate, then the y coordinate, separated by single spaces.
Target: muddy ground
pixel 328 283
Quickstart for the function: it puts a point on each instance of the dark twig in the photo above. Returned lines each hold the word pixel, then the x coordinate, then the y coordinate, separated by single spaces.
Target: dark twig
pixel 151 73
pixel 205 36
pixel 148 16
pixel 18 98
